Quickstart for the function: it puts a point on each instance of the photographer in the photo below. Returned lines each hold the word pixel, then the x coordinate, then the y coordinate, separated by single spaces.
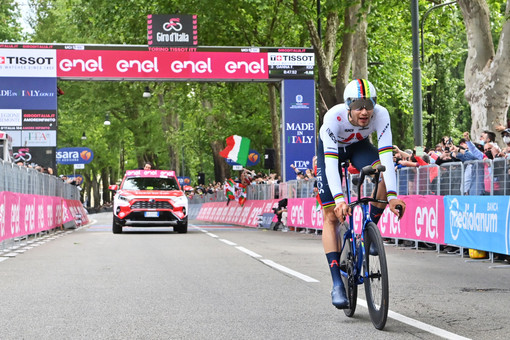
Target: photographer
pixel 281 213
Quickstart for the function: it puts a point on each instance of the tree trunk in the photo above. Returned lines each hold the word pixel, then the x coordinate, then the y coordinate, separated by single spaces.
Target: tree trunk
pixel 487 74
pixel 104 184
pixel 275 126
pixel 360 48
pixel 330 94
pixel 170 124
pixel 221 168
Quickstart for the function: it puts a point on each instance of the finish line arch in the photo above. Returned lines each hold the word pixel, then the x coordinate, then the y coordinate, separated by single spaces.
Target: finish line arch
pixel 29 73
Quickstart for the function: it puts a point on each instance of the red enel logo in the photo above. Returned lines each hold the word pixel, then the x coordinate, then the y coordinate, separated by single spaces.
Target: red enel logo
pixel 2 60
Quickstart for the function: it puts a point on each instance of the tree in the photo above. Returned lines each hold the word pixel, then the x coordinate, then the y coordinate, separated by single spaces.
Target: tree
pixel 10 29
pixel 487 71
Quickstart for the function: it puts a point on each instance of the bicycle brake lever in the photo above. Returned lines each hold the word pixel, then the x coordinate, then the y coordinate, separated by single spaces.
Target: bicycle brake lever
pixel 400 209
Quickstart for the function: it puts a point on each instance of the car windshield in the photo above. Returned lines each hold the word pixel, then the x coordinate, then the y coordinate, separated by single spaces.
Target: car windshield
pixel 150 183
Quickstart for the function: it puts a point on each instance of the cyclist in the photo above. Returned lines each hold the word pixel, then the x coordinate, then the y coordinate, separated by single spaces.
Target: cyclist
pixel 344 136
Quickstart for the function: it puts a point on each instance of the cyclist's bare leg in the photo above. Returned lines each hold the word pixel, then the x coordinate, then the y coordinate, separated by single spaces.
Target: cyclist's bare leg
pixel 381 194
pixel 330 240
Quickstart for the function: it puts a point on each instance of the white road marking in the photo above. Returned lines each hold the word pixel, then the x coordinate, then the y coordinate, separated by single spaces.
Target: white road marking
pixel 10 255
pixel 3 259
pixel 284 269
pixel 249 252
pixel 393 315
pixel 212 235
pixel 230 243
pixel 418 324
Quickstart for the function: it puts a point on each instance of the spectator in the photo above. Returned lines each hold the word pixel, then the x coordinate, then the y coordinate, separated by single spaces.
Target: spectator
pixel 473 171
pixel 281 214
pixel 147 166
pixel 505 134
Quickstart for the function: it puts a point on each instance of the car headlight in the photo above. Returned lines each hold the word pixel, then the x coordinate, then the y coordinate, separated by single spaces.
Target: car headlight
pixel 123 200
pixel 181 200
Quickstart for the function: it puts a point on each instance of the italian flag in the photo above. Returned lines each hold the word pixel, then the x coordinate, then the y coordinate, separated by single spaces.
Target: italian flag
pixel 237 149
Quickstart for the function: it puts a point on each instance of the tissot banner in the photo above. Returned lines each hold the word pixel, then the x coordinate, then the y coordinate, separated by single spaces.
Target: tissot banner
pixel 28 63
pixel 298 138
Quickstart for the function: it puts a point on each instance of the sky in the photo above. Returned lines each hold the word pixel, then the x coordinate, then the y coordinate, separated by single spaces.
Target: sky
pixel 24 8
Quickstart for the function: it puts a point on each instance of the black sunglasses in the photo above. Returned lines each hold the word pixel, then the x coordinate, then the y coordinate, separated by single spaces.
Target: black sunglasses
pixel 362 103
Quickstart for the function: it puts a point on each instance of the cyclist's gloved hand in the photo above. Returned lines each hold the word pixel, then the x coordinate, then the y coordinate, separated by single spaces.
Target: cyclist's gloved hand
pixel 342 210
pixel 393 207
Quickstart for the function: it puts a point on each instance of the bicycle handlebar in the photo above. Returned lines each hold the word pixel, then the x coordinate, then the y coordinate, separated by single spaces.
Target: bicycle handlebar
pixel 367 171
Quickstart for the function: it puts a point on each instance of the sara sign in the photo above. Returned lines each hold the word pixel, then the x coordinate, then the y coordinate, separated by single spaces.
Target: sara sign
pixel 74 156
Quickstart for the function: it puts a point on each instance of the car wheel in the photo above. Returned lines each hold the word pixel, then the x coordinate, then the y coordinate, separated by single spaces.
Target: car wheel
pixel 182 227
pixel 116 226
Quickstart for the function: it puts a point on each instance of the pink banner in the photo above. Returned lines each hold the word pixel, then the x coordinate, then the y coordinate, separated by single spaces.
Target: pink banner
pixel 422 221
pixel 169 65
pixel 23 214
pixel 302 213
pixel 246 215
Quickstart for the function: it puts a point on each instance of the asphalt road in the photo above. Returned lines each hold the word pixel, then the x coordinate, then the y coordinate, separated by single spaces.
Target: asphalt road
pixel 230 282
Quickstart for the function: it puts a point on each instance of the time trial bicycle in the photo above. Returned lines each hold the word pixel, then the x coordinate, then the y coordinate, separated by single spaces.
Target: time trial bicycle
pixel 362 257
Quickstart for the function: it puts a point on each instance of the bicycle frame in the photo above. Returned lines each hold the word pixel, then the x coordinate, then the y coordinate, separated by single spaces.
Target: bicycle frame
pixel 358 240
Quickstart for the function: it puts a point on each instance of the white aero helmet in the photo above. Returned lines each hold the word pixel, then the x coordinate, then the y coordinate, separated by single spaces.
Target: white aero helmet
pixel 360 89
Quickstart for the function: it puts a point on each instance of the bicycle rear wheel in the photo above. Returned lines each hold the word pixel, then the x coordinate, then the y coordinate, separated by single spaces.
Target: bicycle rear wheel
pixel 347 263
pixel 376 277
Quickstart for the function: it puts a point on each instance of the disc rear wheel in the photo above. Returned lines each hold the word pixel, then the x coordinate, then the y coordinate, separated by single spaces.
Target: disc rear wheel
pixel 376 277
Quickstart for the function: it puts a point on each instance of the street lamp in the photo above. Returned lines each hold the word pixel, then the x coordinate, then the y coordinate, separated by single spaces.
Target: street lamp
pixel 83 137
pixel 107 119
pixel 425 17
pixel 147 92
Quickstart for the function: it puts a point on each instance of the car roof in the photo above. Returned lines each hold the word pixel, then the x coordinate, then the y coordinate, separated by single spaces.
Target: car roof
pixel 150 173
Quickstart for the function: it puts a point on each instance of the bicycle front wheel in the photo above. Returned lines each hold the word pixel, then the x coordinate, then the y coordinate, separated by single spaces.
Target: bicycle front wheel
pixel 376 276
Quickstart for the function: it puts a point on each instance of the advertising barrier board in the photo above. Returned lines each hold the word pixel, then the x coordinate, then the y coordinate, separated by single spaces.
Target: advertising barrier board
pixel 24 214
pixel 479 222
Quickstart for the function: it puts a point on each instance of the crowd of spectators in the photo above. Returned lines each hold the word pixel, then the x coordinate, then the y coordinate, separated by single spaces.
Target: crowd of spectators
pixel 74 180
pixel 478 176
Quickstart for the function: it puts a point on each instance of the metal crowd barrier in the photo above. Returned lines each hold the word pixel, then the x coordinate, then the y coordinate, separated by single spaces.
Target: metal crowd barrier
pixel 481 177
pixel 23 180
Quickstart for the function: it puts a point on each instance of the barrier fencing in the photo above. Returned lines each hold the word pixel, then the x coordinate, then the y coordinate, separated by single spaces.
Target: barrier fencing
pixel 472 178
pixel 27 181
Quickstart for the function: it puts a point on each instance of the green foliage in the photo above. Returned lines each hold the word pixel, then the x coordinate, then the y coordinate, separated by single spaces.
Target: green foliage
pixel 10 29
pixel 182 120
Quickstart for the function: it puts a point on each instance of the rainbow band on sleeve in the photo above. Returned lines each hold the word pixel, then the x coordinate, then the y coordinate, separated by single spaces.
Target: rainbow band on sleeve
pixel 391 194
pixel 340 196
pixel 331 154
pixel 376 163
pixel 385 149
